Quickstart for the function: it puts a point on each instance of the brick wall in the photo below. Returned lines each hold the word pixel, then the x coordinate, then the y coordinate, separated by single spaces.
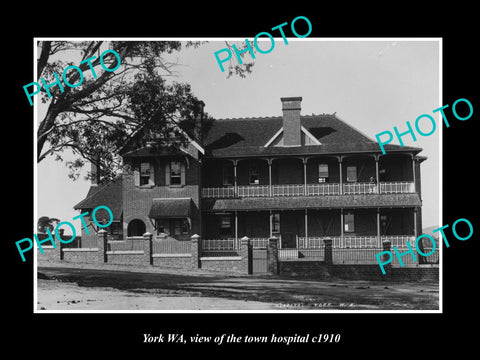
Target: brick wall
pixel 333 170
pixel 400 221
pixel 287 171
pixel 223 264
pixel 137 202
pixel 324 223
pixel 254 224
pixel 89 240
pixel 172 262
pixel 243 171
pixel 136 258
pixel 80 255
pixel 212 172
pixel 49 253
pixel 365 168
pixel 321 271
pixel 304 268
pixel 398 167
pixel 365 222
pixel 422 272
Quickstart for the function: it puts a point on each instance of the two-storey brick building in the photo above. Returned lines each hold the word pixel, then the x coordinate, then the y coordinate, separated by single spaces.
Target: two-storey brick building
pixel 299 178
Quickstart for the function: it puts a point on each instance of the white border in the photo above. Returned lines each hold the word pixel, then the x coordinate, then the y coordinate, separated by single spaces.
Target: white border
pixel 317 311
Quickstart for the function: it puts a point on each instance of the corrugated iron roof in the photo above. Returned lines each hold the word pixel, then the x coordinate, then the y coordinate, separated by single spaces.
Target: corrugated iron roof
pixel 247 137
pixel 170 208
pixel 312 202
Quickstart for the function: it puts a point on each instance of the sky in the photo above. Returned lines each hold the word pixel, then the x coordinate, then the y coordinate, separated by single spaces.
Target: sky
pixel 372 84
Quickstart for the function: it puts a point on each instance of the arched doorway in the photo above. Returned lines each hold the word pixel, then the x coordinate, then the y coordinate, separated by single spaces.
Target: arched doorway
pixel 136 227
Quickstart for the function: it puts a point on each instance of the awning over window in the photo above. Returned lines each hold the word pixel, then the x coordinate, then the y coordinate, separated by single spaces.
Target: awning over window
pixel 171 208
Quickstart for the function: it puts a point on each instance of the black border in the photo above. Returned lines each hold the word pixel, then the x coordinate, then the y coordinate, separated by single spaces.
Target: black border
pixel 361 333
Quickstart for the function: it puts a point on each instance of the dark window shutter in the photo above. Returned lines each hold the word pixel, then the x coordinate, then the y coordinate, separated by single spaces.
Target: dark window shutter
pixel 182 174
pixel 151 180
pixel 167 174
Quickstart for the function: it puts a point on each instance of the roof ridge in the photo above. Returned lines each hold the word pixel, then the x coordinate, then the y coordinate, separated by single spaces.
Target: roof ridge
pixel 273 117
pixel 253 117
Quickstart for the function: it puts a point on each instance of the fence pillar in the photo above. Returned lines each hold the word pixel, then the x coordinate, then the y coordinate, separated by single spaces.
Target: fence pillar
pixel 60 244
pixel 387 245
pixel 246 254
pixel 328 253
pixel 102 245
pixel 272 256
pixel 147 248
pixel 195 251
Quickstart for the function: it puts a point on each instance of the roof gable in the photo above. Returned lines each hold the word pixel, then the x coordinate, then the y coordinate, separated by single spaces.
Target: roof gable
pixel 306 138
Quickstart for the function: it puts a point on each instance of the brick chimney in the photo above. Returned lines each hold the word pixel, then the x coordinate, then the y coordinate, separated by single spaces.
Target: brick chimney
pixel 197 132
pixel 291 121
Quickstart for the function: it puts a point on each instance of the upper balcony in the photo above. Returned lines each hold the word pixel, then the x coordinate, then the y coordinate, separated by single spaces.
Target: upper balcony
pixel 311 176
pixel 310 190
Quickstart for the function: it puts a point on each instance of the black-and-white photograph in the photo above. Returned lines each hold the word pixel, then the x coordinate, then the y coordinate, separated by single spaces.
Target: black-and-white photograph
pixel 279 175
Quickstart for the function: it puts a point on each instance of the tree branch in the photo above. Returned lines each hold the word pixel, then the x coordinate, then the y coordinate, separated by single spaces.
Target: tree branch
pixel 43 59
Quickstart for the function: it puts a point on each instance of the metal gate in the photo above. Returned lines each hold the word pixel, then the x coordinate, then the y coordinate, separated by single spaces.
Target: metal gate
pixel 259 261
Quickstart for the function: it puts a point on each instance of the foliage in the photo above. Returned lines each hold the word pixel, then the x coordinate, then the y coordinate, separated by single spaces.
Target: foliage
pixel 45 222
pixel 97 118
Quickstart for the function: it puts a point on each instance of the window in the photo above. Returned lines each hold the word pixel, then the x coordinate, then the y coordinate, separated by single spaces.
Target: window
pixel 225 225
pixel 227 174
pixel 172 227
pixel 162 226
pixel 144 173
pixel 322 172
pixel 179 227
pixel 351 173
pixel 175 173
pixel 253 175
pixel 275 222
pixel 349 222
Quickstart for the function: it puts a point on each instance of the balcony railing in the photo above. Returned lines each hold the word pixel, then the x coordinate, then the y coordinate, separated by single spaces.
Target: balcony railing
pixel 253 191
pixel 218 192
pixel 361 242
pixel 288 190
pixel 231 244
pixel 323 189
pixel 309 190
pixel 397 187
pixel 360 188
pixel 356 242
pixel 316 242
pixel 400 241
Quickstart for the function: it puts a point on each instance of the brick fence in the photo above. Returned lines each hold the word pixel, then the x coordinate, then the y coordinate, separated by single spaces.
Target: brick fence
pixel 238 261
pixel 229 262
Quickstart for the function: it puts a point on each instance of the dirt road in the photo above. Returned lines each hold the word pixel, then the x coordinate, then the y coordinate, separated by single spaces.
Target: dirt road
pixel 90 287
